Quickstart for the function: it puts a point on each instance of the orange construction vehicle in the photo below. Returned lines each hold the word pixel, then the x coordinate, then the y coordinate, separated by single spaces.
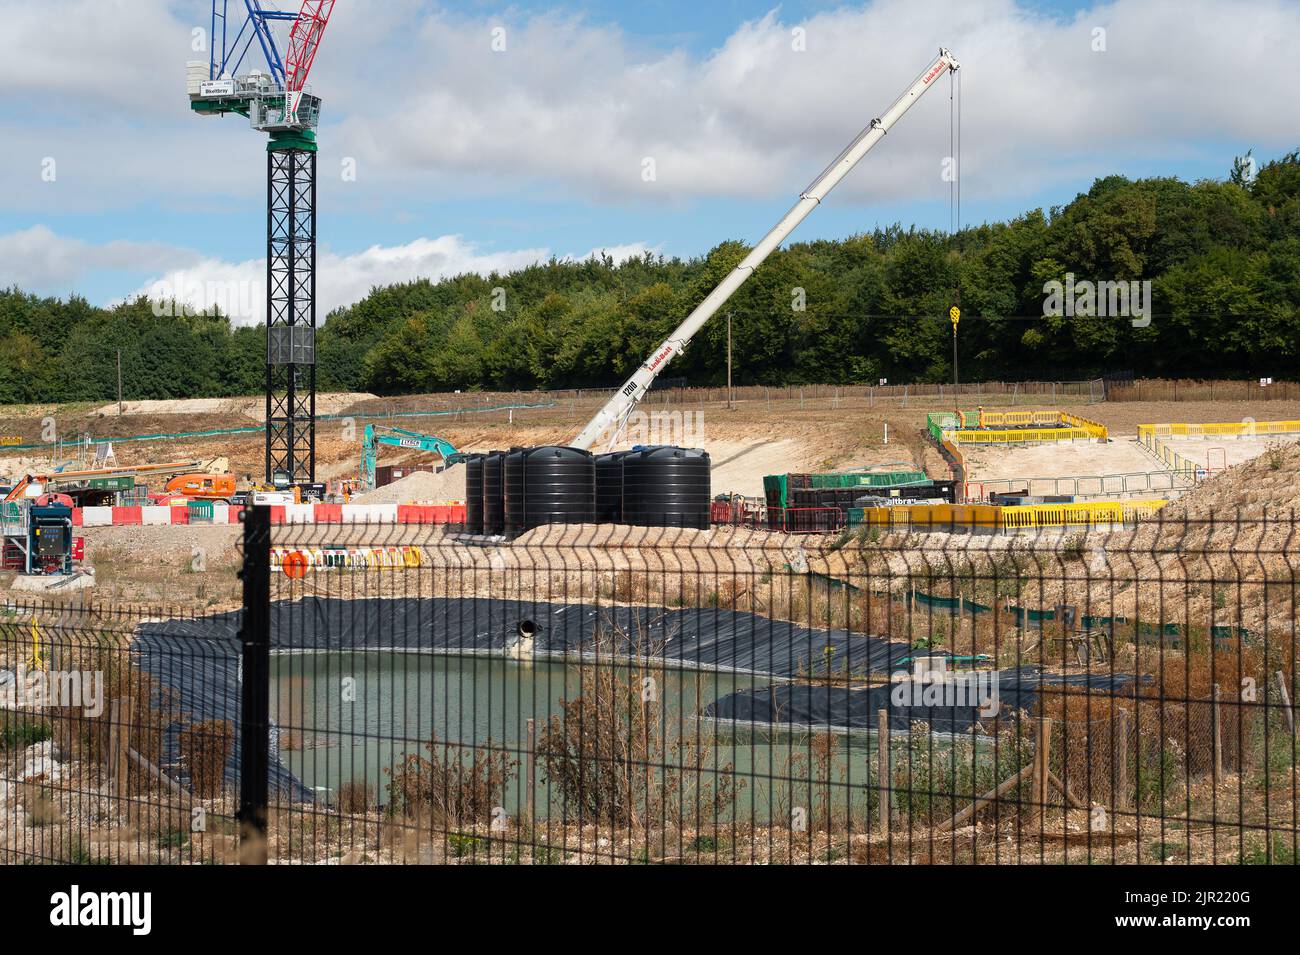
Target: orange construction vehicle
pixel 19 491
pixel 203 487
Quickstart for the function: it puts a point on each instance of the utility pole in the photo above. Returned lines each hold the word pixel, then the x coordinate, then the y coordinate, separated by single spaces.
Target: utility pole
pixel 119 382
pixel 954 313
pixel 731 404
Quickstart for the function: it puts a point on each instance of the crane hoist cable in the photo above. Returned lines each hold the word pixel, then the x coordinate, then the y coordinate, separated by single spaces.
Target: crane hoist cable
pixel 954 154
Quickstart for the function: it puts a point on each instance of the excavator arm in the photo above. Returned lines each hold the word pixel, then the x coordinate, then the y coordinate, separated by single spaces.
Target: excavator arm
pixel 400 438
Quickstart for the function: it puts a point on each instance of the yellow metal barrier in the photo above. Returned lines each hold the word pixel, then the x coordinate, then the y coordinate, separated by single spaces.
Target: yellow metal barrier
pixel 1239 429
pixel 1082 514
pixel 1171 459
pixel 1010 517
pixel 1018 427
pixel 1094 428
pixel 1150 435
pixel 356 558
pixel 1013 427
pixel 1003 419
pixel 1020 436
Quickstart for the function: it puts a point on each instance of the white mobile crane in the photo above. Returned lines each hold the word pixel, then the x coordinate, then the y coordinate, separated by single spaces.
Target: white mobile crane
pixel 613 416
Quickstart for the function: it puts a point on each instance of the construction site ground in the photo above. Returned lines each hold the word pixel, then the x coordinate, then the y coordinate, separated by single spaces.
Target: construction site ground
pixel 1122 454
pixel 1236 569
pixel 753 439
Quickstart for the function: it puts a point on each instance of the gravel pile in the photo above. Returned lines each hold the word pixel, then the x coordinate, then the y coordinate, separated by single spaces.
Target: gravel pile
pixel 448 485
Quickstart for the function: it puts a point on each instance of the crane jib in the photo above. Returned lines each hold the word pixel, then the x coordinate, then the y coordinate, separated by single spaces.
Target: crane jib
pixel 618 409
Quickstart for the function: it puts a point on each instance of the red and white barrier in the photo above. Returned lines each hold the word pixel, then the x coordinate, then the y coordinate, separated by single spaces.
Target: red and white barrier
pixel 155 514
pixel 92 516
pixel 162 514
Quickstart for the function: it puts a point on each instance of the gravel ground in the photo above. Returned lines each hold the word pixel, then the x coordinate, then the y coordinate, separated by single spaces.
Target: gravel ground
pixel 422 486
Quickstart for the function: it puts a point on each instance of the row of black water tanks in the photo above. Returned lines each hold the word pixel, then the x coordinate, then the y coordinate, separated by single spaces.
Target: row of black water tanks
pixel 509 492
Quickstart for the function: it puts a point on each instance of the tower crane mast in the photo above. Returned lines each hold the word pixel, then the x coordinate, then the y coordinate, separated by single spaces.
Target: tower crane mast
pixel 278 103
pixel 612 418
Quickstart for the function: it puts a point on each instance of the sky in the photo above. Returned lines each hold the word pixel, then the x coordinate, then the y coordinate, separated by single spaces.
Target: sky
pixel 479 136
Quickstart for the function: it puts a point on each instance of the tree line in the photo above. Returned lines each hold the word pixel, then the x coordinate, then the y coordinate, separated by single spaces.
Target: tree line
pixel 1222 259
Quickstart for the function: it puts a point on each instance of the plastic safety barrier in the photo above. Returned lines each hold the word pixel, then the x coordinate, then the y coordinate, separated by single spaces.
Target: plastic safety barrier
pixel 995 517
pixel 348 558
pixel 1012 427
pixel 209 512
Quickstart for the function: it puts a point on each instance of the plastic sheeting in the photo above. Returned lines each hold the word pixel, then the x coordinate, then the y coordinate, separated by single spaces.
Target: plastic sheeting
pixel 707 638
pixel 198 659
pixel 841 707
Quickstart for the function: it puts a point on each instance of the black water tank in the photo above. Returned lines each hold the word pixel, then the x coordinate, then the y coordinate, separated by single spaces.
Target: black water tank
pixel 667 487
pixel 474 494
pixel 609 486
pixel 551 484
pixel 512 485
pixel 494 519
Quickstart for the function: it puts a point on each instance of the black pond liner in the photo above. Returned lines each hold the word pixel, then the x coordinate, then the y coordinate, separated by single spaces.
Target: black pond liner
pixel 804 706
pixel 197 660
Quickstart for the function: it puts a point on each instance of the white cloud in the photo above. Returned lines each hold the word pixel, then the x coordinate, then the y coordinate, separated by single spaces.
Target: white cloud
pixel 78 56
pixel 239 288
pixel 572 108
pixel 573 104
pixel 39 258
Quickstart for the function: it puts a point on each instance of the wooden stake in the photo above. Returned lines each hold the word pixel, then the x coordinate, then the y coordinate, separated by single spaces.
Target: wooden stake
pixel 1217 740
pixel 116 769
pixel 532 774
pixel 882 768
pixel 124 748
pixel 1064 790
pixel 1042 755
pixel 1286 702
pixel 158 775
pixel 1120 795
pixel 997 793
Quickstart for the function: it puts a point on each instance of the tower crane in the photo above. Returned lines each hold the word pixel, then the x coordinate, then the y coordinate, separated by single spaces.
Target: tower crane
pixel 277 102
pixel 612 418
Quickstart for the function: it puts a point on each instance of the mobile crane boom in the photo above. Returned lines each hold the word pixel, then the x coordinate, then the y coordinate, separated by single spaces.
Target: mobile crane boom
pixel 615 412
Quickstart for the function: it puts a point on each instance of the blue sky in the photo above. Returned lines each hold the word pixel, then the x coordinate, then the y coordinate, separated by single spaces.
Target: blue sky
pixel 472 159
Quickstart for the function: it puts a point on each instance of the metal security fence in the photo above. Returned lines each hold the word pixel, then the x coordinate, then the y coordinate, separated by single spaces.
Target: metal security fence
pixel 612 694
pixel 113 747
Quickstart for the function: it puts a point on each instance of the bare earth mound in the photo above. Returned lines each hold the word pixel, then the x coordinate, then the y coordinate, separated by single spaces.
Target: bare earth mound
pixel 1232 538
pixel 448 485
